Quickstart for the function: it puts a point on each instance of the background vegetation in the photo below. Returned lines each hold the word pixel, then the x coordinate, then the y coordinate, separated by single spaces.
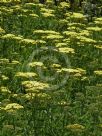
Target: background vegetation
pixel 50 70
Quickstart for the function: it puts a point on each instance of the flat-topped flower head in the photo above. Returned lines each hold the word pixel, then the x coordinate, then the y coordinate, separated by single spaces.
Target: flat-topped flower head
pixel 98 47
pixel 8 36
pixel 72 71
pixel 4 90
pixel 98 72
pixel 99 19
pixel 4 77
pixel 33 15
pixel 61 44
pixel 66 50
pixel 15 62
pixel 94 29
pixel 47 15
pixel 77 16
pixel 29 5
pixel 4 61
pixel 28 42
pixel 25 74
pixel 34 64
pixel 75 127
pixel 84 33
pixel 12 107
pixel 44 10
pixel 40 96
pixel 64 5
pixel 55 65
pixel 35 84
pixel 53 36
pixel 40 41
pixel 45 32
pixel 71 34
pixel 86 40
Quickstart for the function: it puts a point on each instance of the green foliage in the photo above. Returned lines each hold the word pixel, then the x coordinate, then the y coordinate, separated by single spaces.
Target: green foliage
pixel 50 71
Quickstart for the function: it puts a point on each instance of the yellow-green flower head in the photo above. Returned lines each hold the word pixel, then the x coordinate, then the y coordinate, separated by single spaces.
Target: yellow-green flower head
pixel 46 10
pixel 29 5
pixel 45 32
pixel 66 50
pixel 53 36
pixel 74 71
pixel 99 19
pixel 75 127
pixel 84 39
pixel 34 84
pixel 70 33
pixel 48 15
pixel 84 33
pixel 28 42
pixel 98 72
pixel 77 15
pixel 13 107
pixel 33 64
pixel 64 5
pixel 96 29
pixel 4 77
pixel 61 44
pixel 25 74
pixel 4 61
pixel 15 62
pixel 30 96
pixel 98 47
pixel 4 90
pixel 8 36
pixel 34 15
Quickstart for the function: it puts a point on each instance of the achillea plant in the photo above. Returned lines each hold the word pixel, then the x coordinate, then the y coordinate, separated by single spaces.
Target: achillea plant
pixel 94 29
pixel 66 50
pixel 12 107
pixel 75 127
pixel 48 15
pixel 36 85
pixel 25 74
pixel 52 37
pixel 98 72
pixel 4 90
pixel 27 42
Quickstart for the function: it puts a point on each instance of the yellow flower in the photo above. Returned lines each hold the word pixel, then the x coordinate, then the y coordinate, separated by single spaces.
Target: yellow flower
pixel 53 36
pixel 98 72
pixel 28 42
pixel 48 15
pixel 34 84
pixel 64 5
pixel 25 74
pixel 4 77
pixel 33 64
pixel 66 50
pixel 75 127
pixel 96 29
pixel 4 90
pixel 12 107
pixel 46 10
pixel 34 15
pixel 77 15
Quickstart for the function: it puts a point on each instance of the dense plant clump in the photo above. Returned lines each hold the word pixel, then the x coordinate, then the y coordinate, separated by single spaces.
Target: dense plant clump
pixel 50 69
